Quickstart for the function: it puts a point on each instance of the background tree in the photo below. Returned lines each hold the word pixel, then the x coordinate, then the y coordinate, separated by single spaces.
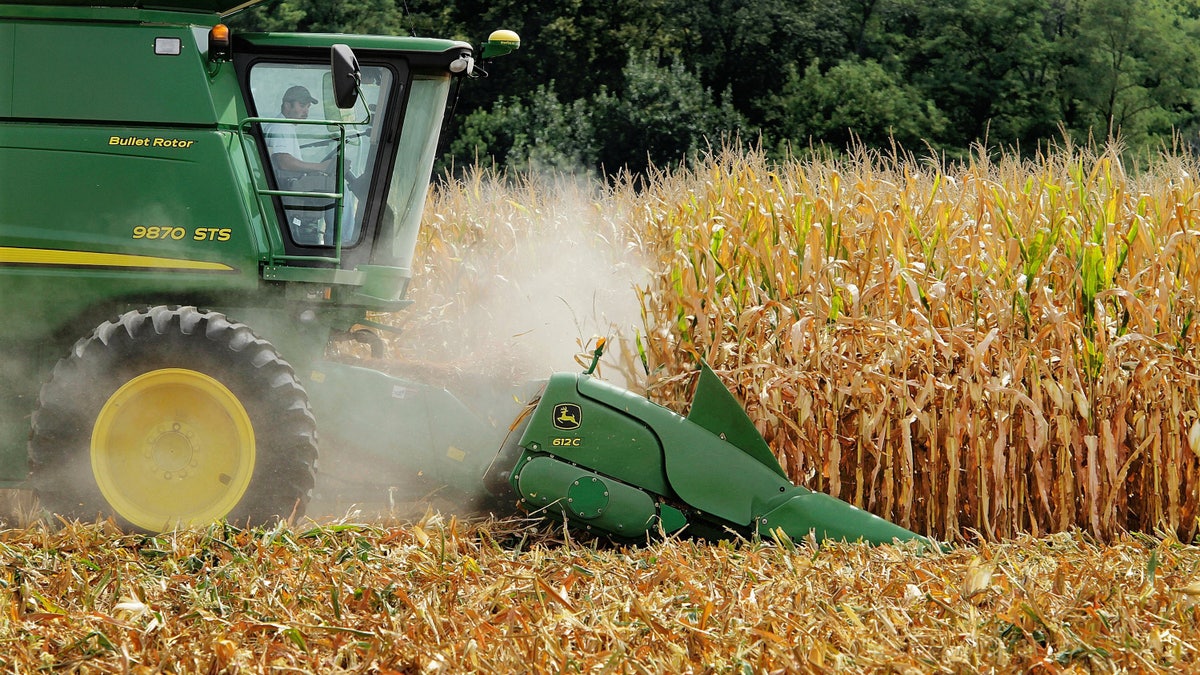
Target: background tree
pixel 536 132
pixel 662 115
pixel 611 84
pixel 853 102
pixel 1135 70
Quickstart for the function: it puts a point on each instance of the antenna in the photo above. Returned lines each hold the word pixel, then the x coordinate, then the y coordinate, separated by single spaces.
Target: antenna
pixel 412 29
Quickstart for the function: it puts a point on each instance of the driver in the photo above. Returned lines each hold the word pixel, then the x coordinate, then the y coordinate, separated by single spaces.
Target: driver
pixel 282 140
pixel 307 217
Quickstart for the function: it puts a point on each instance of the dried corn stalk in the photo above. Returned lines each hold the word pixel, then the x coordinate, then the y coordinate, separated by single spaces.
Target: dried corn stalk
pixel 450 597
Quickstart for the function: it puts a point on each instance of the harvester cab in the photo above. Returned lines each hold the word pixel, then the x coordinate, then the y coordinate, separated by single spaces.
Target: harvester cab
pixel 345 129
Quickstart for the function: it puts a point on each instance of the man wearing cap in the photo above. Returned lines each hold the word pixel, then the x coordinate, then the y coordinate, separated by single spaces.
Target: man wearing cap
pixel 308 218
pixel 282 142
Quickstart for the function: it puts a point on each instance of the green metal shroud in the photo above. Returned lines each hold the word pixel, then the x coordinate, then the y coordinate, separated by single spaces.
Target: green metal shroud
pixel 614 462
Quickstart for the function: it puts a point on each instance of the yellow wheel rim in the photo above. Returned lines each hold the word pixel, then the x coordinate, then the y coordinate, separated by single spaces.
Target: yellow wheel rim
pixel 173 448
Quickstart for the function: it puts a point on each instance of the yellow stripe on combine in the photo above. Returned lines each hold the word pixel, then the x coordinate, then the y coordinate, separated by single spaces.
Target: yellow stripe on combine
pixel 44 256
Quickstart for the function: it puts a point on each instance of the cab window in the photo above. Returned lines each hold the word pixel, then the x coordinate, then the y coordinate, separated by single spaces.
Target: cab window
pixel 303 154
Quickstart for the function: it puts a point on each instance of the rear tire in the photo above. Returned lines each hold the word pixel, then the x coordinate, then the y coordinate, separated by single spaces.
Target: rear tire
pixel 171 417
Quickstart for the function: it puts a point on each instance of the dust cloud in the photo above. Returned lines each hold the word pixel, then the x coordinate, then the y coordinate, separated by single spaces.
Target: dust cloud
pixel 515 281
pixel 537 274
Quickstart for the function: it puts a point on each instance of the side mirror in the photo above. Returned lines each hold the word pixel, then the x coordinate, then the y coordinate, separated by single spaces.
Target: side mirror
pixel 346 76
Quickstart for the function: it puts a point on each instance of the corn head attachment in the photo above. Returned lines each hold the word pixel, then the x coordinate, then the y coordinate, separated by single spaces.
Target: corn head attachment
pixel 582 450
pixel 613 462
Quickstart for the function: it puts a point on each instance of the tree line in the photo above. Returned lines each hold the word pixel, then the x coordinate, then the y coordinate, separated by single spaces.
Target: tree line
pixel 611 85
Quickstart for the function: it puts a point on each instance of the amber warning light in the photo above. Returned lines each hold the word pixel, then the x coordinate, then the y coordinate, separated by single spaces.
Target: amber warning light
pixel 218 43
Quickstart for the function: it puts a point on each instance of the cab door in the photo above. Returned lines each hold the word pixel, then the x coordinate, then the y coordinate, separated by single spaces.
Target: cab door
pixel 301 136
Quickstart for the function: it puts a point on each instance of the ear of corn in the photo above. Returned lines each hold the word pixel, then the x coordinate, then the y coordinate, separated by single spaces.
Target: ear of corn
pixel 1000 346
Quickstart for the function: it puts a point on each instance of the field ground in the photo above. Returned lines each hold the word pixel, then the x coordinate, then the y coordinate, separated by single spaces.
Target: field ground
pixel 439 595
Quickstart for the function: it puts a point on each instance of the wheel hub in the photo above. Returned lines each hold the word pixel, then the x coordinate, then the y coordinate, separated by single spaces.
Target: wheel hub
pixel 173 447
pixel 171 450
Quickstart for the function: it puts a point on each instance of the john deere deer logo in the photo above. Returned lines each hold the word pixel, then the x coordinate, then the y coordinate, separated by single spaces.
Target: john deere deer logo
pixel 567 416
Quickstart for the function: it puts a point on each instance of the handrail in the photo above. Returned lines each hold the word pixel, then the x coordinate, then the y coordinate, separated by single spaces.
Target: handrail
pixel 337 197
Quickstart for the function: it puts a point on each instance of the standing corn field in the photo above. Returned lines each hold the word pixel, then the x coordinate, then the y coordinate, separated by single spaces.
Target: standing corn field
pixel 1000 346
pixel 1003 347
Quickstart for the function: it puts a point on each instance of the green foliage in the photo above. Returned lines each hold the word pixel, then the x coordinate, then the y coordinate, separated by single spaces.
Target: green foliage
pixel 538 132
pixel 659 116
pixel 327 16
pixel 987 64
pixel 1134 71
pixel 663 115
pixel 854 101
pixel 946 75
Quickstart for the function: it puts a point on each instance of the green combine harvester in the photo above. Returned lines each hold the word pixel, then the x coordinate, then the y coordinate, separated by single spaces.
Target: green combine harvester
pixel 188 217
